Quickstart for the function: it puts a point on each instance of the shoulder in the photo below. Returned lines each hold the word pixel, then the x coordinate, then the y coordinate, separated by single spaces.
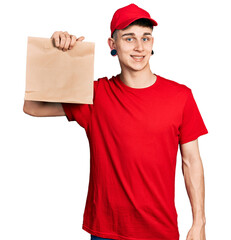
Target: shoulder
pixel 101 80
pixel 172 86
pixel 100 85
pixel 104 81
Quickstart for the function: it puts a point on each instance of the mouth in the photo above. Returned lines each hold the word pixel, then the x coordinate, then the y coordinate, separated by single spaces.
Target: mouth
pixel 137 58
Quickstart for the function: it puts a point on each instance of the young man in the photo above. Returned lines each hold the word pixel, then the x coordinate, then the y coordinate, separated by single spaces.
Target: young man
pixel 134 127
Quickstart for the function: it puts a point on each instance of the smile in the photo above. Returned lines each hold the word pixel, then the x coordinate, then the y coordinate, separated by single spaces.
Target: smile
pixel 137 58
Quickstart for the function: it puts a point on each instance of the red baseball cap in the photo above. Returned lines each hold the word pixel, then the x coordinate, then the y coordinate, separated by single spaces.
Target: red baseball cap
pixel 128 14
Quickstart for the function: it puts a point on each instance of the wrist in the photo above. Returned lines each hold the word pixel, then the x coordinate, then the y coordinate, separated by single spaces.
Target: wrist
pixel 199 221
pixel 199 217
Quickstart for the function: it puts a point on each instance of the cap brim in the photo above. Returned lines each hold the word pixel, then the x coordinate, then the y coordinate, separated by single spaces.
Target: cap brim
pixel 129 21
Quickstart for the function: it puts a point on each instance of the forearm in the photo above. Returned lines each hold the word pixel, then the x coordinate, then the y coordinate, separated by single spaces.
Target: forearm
pixel 194 181
pixel 43 109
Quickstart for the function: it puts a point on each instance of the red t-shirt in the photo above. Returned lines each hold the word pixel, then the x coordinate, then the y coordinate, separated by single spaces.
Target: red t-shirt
pixel 133 137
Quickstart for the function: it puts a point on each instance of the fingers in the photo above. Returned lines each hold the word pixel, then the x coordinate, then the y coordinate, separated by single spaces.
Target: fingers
pixel 64 41
pixel 73 41
pixel 55 38
pixel 81 38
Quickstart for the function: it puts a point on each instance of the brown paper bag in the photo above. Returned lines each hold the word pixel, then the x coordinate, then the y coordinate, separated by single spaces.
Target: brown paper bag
pixel 53 75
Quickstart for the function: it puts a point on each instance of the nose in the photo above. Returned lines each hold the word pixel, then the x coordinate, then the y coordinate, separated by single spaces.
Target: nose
pixel 139 46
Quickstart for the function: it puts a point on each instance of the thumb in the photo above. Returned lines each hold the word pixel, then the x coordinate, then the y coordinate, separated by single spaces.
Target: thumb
pixel 80 38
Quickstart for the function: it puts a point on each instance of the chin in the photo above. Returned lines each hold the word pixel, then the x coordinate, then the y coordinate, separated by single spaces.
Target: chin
pixel 137 67
pixel 134 66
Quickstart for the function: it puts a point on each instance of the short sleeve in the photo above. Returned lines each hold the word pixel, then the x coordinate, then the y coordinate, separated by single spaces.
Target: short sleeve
pixel 80 112
pixel 192 125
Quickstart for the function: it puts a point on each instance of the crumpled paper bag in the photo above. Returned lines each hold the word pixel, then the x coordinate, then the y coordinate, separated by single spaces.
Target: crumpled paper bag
pixel 53 75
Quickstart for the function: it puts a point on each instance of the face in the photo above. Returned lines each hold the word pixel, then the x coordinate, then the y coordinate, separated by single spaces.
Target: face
pixel 134 47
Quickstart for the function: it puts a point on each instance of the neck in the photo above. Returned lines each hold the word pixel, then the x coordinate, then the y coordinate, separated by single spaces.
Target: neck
pixel 137 79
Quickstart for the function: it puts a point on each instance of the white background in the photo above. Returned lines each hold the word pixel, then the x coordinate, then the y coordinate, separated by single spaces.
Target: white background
pixel 44 162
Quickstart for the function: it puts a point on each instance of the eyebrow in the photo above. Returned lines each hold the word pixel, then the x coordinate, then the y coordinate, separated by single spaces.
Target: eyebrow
pixel 133 34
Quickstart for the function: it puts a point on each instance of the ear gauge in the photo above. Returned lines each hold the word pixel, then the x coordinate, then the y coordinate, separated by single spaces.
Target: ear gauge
pixel 113 52
pixel 152 52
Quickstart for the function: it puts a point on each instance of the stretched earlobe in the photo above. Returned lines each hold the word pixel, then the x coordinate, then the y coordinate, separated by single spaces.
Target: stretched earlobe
pixel 113 52
pixel 152 52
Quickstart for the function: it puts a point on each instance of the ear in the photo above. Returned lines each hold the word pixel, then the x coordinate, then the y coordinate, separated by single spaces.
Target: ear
pixel 152 40
pixel 111 43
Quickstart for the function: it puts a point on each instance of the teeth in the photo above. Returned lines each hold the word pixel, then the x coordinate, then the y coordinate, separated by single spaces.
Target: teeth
pixel 136 57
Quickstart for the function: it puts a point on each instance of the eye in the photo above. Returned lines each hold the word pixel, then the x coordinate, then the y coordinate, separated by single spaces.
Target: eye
pixel 145 39
pixel 129 39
